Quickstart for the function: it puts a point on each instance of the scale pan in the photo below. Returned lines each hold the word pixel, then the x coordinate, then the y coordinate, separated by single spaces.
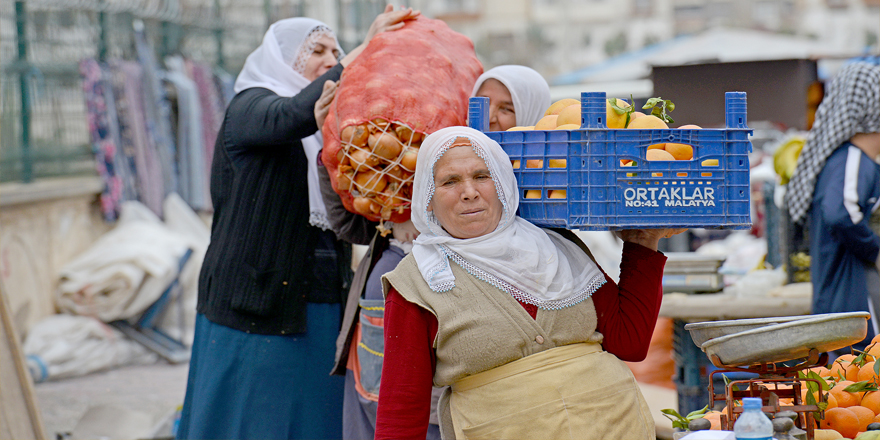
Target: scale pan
pixel 789 340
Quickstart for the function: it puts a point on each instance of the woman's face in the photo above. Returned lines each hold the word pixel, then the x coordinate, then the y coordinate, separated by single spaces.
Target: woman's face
pixel 502 115
pixel 324 57
pixel 465 201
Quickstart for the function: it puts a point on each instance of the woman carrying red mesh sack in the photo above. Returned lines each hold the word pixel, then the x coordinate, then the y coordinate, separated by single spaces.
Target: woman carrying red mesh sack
pixel 409 83
pixel 406 85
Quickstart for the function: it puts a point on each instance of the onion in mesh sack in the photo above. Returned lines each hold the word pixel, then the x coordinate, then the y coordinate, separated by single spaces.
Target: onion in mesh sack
pixel 405 85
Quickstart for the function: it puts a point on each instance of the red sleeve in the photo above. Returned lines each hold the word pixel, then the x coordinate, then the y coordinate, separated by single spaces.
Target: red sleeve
pixel 627 313
pixel 407 370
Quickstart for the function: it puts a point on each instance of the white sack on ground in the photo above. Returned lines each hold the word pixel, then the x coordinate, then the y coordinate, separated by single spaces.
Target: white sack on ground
pixel 61 346
pixel 180 218
pixel 125 271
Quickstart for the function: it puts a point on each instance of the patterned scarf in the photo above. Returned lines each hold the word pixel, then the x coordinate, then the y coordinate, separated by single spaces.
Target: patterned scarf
pixel 851 105
pixel 271 66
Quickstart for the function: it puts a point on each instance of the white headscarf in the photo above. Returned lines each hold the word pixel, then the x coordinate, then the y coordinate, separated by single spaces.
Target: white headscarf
pixel 851 105
pixel 271 66
pixel 534 265
pixel 528 89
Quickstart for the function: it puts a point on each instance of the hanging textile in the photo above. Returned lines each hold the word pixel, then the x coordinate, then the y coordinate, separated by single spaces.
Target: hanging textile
pixel 157 112
pixel 213 109
pixel 128 84
pixel 225 84
pixel 104 145
pixel 190 140
pixel 125 164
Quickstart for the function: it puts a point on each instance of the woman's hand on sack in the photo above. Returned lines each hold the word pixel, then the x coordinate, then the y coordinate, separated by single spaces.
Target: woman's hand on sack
pixel 649 238
pixel 390 20
pixel 387 21
pixel 322 106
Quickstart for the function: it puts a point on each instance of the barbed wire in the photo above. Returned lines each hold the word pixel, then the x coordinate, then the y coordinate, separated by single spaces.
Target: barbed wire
pixel 201 14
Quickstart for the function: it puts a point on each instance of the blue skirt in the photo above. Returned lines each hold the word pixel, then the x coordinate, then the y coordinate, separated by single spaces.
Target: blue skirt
pixel 250 386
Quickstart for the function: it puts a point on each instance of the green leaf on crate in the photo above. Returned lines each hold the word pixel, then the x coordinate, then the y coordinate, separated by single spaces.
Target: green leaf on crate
pixel 659 108
pixel 629 112
pixel 617 109
pixel 865 385
pixel 652 102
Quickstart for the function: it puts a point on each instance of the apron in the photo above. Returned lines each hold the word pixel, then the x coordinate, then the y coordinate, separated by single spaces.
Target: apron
pixel 576 391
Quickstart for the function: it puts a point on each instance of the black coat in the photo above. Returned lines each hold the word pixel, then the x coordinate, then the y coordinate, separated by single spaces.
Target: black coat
pixel 260 268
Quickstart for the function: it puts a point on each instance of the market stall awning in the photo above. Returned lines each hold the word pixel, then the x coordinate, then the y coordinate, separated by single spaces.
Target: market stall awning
pixel 630 72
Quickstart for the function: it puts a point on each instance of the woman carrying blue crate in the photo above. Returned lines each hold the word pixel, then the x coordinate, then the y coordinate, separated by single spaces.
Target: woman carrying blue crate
pixel 520 322
pixel 836 187
pixel 517 95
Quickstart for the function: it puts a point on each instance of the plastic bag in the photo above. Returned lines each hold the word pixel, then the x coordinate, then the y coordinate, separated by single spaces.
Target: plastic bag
pixel 62 346
pixel 405 85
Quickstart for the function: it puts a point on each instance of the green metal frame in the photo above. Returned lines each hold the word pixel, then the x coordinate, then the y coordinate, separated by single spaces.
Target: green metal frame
pixel 42 110
pixel 27 171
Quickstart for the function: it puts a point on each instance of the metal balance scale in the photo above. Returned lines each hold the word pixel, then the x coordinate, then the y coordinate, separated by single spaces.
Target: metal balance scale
pixel 689 272
pixel 762 345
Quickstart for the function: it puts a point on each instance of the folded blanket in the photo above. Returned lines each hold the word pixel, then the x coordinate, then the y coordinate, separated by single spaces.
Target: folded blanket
pixel 126 270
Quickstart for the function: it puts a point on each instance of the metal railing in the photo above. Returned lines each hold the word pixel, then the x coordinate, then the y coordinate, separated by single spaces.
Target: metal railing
pixel 43 126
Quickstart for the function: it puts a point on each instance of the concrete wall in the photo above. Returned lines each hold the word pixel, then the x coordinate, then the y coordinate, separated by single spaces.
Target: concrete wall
pixel 43 225
pixel 777 90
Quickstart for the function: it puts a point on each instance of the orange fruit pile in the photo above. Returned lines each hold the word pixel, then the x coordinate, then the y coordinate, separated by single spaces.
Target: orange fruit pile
pixel 849 413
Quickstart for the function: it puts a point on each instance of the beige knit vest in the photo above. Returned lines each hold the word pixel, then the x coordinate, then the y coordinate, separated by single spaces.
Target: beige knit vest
pixel 481 327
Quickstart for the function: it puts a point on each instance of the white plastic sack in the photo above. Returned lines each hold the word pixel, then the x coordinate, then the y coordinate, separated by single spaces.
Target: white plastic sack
pixel 61 346
pixel 741 250
pixel 181 219
pixel 758 283
pixel 126 270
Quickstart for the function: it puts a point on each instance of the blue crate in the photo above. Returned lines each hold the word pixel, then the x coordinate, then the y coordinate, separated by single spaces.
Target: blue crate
pixel 692 369
pixel 603 194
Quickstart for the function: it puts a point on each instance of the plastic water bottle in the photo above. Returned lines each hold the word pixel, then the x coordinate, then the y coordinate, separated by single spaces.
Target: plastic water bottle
pixel 753 424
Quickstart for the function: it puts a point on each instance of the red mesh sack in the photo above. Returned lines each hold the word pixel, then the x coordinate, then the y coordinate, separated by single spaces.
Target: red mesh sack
pixel 405 85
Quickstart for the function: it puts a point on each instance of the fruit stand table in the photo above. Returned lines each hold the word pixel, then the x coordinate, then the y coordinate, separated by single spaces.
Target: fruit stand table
pixel 691 364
